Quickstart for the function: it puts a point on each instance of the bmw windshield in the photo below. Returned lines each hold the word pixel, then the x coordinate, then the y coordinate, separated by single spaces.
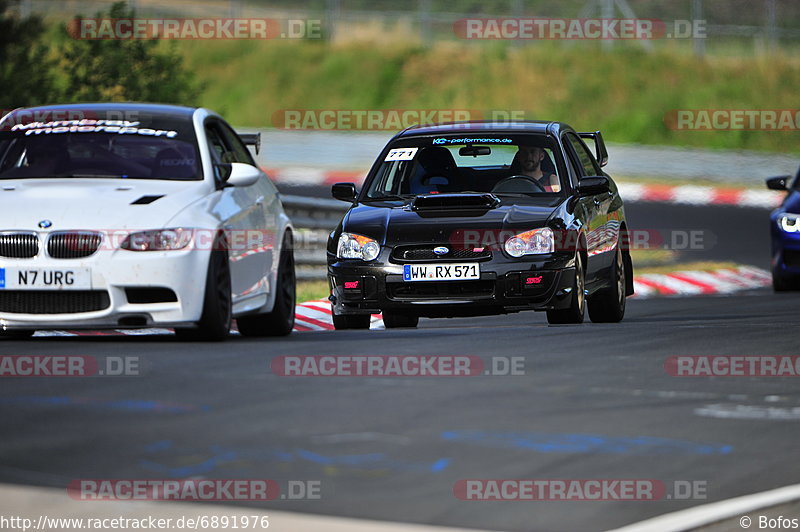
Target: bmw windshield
pixel 103 146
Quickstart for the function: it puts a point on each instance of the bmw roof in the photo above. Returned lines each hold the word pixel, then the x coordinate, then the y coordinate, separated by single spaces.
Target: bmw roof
pixel 155 108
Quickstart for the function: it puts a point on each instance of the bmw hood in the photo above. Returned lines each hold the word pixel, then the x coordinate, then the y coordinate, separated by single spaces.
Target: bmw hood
pixel 94 204
pixel 391 223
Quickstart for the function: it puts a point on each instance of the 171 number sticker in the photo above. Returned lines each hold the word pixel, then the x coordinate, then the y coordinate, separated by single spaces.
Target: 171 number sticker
pixel 401 154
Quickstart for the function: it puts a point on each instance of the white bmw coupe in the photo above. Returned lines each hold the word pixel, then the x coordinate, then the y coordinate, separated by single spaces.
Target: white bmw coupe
pixel 136 216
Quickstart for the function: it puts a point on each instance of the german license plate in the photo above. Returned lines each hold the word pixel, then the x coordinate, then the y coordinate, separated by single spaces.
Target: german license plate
pixel 441 272
pixel 45 279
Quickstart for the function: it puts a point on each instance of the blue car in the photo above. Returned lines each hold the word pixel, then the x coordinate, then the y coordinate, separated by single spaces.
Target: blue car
pixel 785 224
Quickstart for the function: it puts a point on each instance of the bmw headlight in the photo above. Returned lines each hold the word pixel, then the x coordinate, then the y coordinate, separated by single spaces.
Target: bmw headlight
pixel 534 242
pixel 789 222
pixel 352 246
pixel 158 240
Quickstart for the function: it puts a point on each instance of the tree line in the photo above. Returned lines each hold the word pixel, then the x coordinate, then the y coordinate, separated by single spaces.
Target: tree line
pixel 43 63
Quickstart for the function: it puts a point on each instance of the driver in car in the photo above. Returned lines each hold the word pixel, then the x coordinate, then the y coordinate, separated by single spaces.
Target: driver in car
pixel 45 156
pixel 530 160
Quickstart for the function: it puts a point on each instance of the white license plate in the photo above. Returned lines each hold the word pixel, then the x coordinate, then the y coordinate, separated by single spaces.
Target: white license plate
pixel 441 272
pixel 45 279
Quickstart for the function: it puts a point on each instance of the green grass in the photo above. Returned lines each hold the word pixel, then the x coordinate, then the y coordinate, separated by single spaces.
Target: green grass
pixel 652 258
pixel 311 290
pixel 626 93
pixel 669 261
pixel 705 266
pixel 738 183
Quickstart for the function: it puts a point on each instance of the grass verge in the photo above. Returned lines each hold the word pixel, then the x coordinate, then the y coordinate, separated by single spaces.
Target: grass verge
pixel 312 290
pixel 628 93
pixel 704 266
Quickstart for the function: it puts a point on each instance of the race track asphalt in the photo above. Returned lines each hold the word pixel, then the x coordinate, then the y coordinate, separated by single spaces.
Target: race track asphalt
pixel 594 402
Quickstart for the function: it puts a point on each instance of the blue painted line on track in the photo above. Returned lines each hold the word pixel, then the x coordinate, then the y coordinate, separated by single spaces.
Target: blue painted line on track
pixel 101 404
pixel 584 443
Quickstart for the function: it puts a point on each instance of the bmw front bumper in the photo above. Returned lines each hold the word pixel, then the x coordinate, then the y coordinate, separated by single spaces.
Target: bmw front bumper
pixel 128 290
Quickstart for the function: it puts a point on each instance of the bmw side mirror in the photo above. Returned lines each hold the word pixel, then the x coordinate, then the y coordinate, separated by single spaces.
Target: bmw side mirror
pixel 344 191
pixel 589 186
pixel 242 175
pixel 222 172
pixel 778 183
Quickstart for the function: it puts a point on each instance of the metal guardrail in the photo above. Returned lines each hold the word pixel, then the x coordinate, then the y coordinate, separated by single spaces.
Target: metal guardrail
pixel 313 219
pixel 314 213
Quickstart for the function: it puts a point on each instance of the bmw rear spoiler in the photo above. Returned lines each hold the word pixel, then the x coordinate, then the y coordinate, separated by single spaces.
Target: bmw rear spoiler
pixel 601 153
pixel 252 139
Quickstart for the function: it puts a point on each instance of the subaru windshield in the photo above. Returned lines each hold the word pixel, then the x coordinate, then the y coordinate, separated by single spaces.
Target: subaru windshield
pixel 503 165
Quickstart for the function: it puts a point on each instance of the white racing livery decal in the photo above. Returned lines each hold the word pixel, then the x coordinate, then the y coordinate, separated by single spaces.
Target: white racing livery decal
pixel 122 127
pixel 401 154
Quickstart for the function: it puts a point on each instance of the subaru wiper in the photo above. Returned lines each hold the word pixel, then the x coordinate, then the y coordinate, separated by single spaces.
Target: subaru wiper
pixel 401 197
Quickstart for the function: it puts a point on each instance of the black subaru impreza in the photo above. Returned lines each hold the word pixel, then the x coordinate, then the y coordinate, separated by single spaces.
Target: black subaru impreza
pixel 479 218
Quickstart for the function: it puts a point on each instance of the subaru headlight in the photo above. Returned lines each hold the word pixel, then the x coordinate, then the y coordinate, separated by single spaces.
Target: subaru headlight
pixel 789 222
pixel 158 240
pixel 534 242
pixel 352 246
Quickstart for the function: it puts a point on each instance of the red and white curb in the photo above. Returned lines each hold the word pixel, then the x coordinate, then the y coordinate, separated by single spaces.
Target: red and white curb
pixel 316 315
pixel 310 316
pixel 698 282
pixel 630 191
pixel 699 195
